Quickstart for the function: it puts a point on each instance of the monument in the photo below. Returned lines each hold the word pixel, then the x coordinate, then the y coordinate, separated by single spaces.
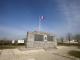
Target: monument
pixel 39 39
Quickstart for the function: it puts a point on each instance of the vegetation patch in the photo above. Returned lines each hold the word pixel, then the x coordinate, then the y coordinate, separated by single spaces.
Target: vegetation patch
pixel 68 44
pixel 75 53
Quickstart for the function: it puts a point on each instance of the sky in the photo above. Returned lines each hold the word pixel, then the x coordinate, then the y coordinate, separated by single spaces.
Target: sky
pixel 17 17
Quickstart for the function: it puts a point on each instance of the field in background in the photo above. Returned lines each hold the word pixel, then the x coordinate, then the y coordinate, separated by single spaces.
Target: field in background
pixel 7 44
pixel 68 44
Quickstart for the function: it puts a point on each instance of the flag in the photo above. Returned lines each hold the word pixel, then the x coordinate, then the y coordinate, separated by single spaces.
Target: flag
pixel 41 17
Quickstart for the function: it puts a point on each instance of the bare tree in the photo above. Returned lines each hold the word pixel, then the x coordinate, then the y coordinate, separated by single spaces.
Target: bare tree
pixel 69 37
pixel 62 39
pixel 77 38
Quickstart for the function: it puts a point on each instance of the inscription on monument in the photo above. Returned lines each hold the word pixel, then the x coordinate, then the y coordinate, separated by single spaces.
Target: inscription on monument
pixel 38 37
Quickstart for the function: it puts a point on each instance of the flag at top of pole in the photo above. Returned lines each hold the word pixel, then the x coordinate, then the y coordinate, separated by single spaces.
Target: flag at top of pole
pixel 41 17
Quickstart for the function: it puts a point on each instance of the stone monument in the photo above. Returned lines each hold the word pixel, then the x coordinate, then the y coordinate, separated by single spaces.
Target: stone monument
pixel 38 39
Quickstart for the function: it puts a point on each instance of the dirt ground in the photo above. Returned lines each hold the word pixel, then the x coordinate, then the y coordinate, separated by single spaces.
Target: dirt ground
pixel 61 53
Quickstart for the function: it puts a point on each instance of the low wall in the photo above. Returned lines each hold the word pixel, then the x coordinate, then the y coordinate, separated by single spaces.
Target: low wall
pixel 39 44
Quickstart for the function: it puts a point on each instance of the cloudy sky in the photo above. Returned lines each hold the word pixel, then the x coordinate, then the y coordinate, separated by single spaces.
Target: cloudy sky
pixel 19 16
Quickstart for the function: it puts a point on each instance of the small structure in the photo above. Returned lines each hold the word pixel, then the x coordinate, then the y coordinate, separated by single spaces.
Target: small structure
pixel 13 41
pixel 38 39
pixel 20 41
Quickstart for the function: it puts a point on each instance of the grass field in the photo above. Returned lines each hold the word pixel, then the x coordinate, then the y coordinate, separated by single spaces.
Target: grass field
pixel 10 46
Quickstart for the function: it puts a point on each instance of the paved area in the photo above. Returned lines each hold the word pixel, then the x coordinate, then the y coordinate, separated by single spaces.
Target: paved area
pixel 38 54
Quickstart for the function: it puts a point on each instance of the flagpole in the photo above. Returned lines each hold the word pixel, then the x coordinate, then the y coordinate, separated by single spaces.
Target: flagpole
pixel 40 18
pixel 39 24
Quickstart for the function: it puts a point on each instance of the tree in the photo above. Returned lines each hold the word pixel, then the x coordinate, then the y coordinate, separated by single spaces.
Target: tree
pixel 62 39
pixel 77 38
pixel 69 37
